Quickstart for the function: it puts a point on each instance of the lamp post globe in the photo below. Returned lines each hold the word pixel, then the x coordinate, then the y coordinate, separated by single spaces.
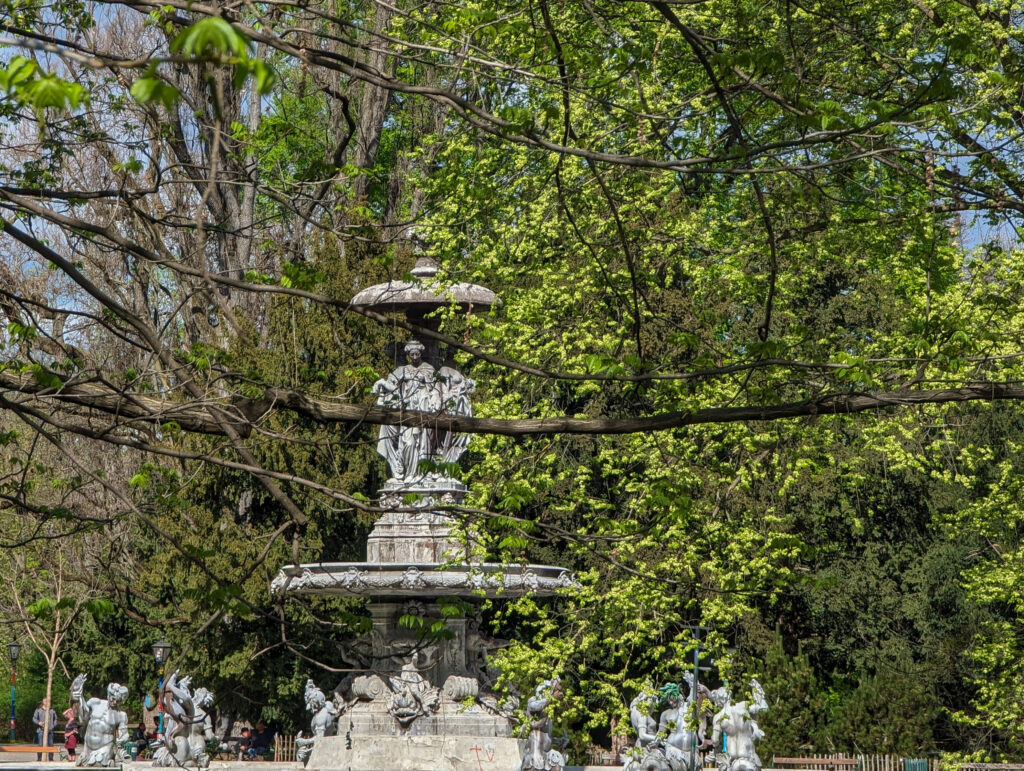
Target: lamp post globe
pixel 161 652
pixel 13 651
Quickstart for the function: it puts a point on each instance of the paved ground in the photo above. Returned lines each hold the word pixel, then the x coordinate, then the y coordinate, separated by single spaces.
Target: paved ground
pixel 26 761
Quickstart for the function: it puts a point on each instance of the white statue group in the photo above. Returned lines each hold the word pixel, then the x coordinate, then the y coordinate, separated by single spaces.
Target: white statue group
pixel 679 738
pixel 418 386
pixel 104 725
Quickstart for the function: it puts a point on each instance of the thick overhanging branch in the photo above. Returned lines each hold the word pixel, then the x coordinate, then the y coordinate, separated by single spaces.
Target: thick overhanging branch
pixel 240 414
pixel 832 404
pixel 135 409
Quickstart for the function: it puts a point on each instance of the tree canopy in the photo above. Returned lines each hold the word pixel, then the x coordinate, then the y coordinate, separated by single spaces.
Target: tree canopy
pixel 757 361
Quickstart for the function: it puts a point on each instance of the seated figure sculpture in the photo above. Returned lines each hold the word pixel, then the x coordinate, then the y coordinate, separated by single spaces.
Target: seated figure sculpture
pixel 104 725
pixel 738 723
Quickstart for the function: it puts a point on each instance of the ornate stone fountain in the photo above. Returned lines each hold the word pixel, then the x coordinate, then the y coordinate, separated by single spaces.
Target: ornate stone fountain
pixel 416 702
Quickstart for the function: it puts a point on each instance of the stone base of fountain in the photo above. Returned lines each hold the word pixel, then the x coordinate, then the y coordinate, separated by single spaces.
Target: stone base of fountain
pixel 442 752
pixel 420 697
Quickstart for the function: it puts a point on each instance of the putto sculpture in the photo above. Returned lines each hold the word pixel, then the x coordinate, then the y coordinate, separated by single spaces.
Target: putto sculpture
pixel 539 756
pixel 325 714
pixel 738 723
pixel 412 696
pixel 324 722
pixel 418 386
pixel 104 725
pixel 678 741
pixel 640 710
pixel 201 732
pixel 187 725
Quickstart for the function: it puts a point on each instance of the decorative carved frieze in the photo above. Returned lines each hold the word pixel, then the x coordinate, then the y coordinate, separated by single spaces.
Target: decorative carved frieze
pixel 368 580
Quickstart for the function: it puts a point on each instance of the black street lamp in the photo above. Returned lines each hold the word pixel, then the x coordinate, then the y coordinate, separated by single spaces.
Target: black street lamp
pixel 161 652
pixel 13 650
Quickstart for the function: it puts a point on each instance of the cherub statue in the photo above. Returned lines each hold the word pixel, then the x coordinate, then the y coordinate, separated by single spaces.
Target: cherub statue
pixel 676 743
pixel 325 714
pixel 412 696
pixel 646 727
pixel 104 725
pixel 739 724
pixel 201 732
pixel 538 755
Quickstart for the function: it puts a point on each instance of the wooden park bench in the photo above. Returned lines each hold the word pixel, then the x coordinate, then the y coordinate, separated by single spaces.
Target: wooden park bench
pixel 818 764
pixel 37 748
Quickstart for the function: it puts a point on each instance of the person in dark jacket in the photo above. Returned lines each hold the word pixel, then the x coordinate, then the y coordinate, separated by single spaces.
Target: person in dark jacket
pixel 45 721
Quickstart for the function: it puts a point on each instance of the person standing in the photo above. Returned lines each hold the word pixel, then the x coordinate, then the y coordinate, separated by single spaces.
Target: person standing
pixel 70 733
pixel 45 719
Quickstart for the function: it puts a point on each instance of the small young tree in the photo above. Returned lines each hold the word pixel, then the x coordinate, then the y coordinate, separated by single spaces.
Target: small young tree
pixel 46 596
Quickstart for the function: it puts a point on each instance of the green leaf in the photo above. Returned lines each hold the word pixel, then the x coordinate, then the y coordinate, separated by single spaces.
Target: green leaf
pixel 150 88
pixel 409 621
pixel 41 607
pixel 52 91
pixel 45 378
pixel 139 481
pixel 99 608
pixel 211 37
pixel 18 71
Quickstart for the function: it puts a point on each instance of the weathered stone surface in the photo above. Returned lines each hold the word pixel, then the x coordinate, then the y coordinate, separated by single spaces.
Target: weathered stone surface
pixel 416 533
pixel 361 579
pixel 416 753
pixel 424 293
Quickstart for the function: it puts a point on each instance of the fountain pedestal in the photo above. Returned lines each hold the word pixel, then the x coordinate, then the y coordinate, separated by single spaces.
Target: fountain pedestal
pixel 421 702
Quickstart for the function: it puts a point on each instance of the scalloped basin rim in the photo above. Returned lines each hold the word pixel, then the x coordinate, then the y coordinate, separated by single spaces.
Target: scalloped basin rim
pixel 478 567
pixel 366 579
pixel 401 294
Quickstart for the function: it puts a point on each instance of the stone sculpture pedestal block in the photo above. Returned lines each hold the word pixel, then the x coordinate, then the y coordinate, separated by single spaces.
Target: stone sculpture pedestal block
pixel 416 533
pixel 416 753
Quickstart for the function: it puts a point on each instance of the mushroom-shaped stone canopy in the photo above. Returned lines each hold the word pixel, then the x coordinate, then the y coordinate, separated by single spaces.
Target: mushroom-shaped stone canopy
pixel 424 294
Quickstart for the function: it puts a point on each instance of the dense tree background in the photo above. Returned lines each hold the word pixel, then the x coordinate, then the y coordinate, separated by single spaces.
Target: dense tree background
pixel 757 364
